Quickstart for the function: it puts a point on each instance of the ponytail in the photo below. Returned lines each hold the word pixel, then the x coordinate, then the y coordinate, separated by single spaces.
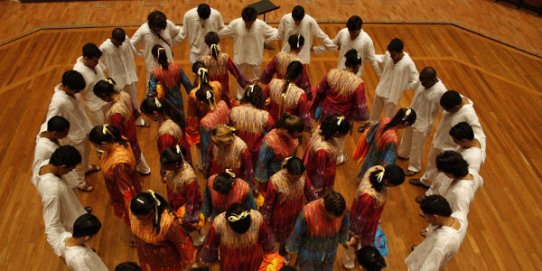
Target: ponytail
pixel 403 116
pixel 161 56
pixel 215 51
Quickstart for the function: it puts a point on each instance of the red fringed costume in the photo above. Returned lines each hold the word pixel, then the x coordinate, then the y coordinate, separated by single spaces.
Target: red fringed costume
pixel 320 163
pixel 293 101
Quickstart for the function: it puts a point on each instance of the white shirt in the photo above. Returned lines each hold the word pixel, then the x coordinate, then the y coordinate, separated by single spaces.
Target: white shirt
pixel 71 109
pixel 474 156
pixel 396 77
pixel 459 194
pixel 80 258
pixel 426 103
pixel 193 28
pixel 61 207
pixel 43 151
pixel 248 43
pixel 91 76
pixel 120 62
pixel 438 247
pixel 309 29
pixel 144 34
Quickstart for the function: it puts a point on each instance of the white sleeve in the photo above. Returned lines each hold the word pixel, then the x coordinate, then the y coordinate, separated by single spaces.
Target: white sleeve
pixel 227 31
pixel 282 28
pixel 77 263
pixel 136 39
pixel 433 261
pixel 219 21
pixel 270 32
pixel 323 48
pixel 183 31
pixel 413 76
pixel 174 32
pixel 53 226
pixel 321 35
pixel 370 55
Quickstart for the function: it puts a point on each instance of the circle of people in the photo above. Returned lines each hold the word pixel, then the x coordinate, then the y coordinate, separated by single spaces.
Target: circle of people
pixel 265 208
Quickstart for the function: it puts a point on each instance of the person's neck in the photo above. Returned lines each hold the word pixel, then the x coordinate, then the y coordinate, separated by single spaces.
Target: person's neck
pixel 399 59
pixel 475 143
pixel 49 168
pixel 116 97
pixel 451 222
pixel 49 136
pixel 88 66
pixel 349 69
pixel 73 242
pixel 66 91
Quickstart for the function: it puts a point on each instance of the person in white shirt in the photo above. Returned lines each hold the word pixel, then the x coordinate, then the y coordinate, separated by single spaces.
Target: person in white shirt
pixel 249 35
pixel 426 104
pixel 78 256
pixel 158 30
pixel 118 58
pixel 398 74
pixel 63 103
pixel 440 245
pixel 468 146
pixel 61 206
pixel 92 70
pixel 353 37
pixel 300 23
pixel 456 108
pixel 197 23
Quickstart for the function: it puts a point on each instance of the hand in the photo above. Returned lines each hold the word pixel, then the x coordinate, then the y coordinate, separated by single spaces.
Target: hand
pixel 352 242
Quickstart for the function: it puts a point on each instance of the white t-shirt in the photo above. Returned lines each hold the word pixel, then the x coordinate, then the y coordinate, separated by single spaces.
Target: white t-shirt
pixel 396 77
pixel 149 38
pixel 80 258
pixel 426 104
pixel 196 31
pixel 91 76
pixel 120 62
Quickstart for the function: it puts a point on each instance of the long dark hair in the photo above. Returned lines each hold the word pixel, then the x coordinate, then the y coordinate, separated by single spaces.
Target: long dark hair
pixel 145 203
pixel 334 125
pixel 403 116
pixel 152 104
pixel 106 133
pixel 254 95
pixel 159 53
pixel 293 71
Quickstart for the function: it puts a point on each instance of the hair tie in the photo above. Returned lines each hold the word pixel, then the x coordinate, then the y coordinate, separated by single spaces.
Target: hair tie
pixel 250 90
pixel 110 81
pixel 407 113
pixel 283 95
pixel 285 161
pixel 214 47
pixel 156 204
pixel 234 218
pixel 157 103
pixel 160 50
pixel 380 176
pixel 340 120
pixel 357 55
pixel 178 149
pixel 298 40
pixel 229 172
pixel 106 131
pixel 209 97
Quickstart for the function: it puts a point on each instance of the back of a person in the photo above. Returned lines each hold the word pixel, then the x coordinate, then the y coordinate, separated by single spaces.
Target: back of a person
pixel 283 102
pixel 340 100
pixel 250 124
pixel 82 258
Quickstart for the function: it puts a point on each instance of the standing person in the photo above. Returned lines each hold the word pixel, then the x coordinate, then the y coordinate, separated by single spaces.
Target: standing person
pixel 378 145
pixel 353 37
pixel 319 229
pixel 158 30
pixel 322 153
pixel 398 74
pixel 201 74
pixel 92 71
pixel 61 206
pixel 285 96
pixel 303 24
pixel 65 104
pixel 78 256
pixel 121 114
pixel 426 104
pixel 440 246
pixel 468 146
pixel 161 240
pixel 456 108
pixel 238 238
pixel 279 65
pixel 118 58
pixel 370 259
pixel 368 206
pixel 119 168
pixel 249 35
pixel 197 23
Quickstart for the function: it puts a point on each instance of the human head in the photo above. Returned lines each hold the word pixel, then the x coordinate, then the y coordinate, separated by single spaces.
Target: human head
pixel 334 126
pixel 205 97
pixel 223 182
pixel 58 126
pixel 288 268
pixel 146 204
pixel 254 95
pixel 118 36
pixel 73 82
pixel 104 134
pixel 370 259
pixel 334 203
pixel 127 266
pixel 249 14
pixel 298 12
pixel 451 101
pixel 403 118
pixel 293 71
pixel 223 135
pixel 296 42
pixel 462 133
pixel 171 158
pixel 395 49
pixel 204 11
pixel 291 123
pixel 212 40
pixel 157 21
pixel 105 89
pixel 66 158
pixel 392 175
pixel 435 206
pixel 160 55
pixel 354 25
pixel 91 55
pixel 152 107
pixel 86 226
pixel 428 77
pixel 352 60
pixel 452 164
pixel 238 217
pixel 294 166
pixel 199 69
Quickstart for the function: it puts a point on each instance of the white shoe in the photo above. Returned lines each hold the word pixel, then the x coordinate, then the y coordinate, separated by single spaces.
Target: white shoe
pixel 140 122
pixel 142 167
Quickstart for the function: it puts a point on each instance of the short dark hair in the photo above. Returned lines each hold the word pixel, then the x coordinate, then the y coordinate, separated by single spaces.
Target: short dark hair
pixel 58 124
pixel 330 127
pixel 393 174
pixel 242 225
pixel 450 99
pixel 334 203
pixel 370 258
pixel 90 50
pixel 290 123
pixel 204 11
pixel 395 45
pixel 73 80
pixel 104 89
pixel 157 19
pixel 249 14
pixel 296 41
pixel 66 155
pixel 118 34
pixel 254 95
pixel 212 38
pixel 462 131
pixel 171 156
pixel 436 205
pixel 295 166
pixel 451 162
pixel 223 183
pixel 353 59
pixel 288 268
pixel 86 225
pixel 298 12
pixel 354 23
pixel 128 266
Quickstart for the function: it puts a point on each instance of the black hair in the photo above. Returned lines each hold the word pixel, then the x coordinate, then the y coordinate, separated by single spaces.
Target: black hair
pixel 334 203
pixel 128 266
pixel 353 58
pixel 242 225
pixel 66 155
pixel 90 50
pixel 150 105
pixel 160 56
pixel 450 99
pixel 204 76
pixel 204 11
pixel 293 71
pixel 118 34
pixel 290 123
pixel 104 89
pixel 199 269
pixel 157 19
pixel 451 162
pixel 254 95
pixel 296 41
pixel 330 127
pixel 73 80
pixel 288 268
pixel 58 124
pixel 436 205
pixel 354 23
pixel 393 174
pixel 395 45
pixel 249 14
pixel 462 131
pixel 223 183
pixel 295 166
pixel 428 72
pixel 212 38
pixel 171 156
pixel 298 12
pixel 203 92
pixel 403 116
pixel 86 225
pixel 145 203
pixel 105 133
pixel 370 259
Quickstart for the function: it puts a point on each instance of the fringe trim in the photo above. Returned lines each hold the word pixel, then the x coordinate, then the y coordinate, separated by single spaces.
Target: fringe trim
pixel 231 239
pixel 290 99
pixel 249 119
pixel 184 176
pixel 343 82
pixel 288 188
pixel 218 116
pixel 123 106
pixel 171 128
pixel 283 60
pixel 318 143
pixel 318 222
pixel 144 230
pixel 119 154
pixel 216 67
pixel 365 187
pixel 231 156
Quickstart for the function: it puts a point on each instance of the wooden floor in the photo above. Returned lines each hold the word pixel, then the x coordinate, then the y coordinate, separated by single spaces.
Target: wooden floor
pixel 504 84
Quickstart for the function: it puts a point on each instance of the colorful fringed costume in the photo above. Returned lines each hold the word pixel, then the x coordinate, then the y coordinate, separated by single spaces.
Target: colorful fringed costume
pixel 251 124
pixel 218 71
pixel 166 84
pixel 294 101
pixel 279 65
pixel 220 115
pixel 171 134
pixel 276 145
pixel 215 203
pixel 235 157
pixel 183 190
pixel 194 112
pixel 121 115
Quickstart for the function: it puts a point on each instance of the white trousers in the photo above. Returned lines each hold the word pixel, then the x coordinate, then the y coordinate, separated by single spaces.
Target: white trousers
pixel 431 171
pixel 381 104
pixel 84 150
pixel 411 146
pixel 132 90
pixel 251 72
